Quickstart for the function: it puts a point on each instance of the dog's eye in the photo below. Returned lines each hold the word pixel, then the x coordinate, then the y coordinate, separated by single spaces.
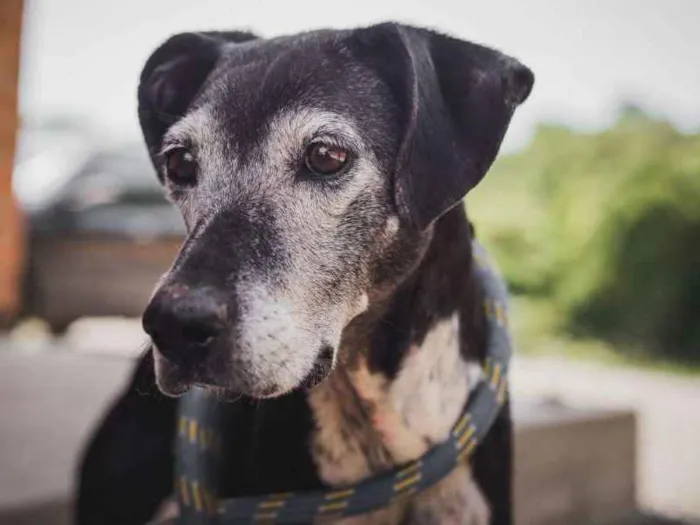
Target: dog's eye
pixel 324 159
pixel 181 167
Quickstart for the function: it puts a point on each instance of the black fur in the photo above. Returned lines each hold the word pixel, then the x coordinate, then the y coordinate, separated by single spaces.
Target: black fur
pixel 128 468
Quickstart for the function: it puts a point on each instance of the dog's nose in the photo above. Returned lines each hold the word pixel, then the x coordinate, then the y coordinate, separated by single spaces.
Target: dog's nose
pixel 185 323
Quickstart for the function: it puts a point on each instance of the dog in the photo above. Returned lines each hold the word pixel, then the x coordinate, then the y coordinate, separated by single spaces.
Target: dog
pixel 324 287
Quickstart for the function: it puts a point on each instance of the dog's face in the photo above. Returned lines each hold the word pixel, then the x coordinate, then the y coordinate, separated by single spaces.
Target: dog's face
pixel 308 170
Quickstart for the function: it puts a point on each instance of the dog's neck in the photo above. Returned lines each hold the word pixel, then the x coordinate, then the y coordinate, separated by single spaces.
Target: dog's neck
pixel 406 366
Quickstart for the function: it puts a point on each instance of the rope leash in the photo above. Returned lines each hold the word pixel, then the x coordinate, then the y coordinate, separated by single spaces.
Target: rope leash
pixel 199 445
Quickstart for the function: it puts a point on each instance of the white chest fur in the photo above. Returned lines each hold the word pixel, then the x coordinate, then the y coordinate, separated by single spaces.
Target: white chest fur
pixel 366 424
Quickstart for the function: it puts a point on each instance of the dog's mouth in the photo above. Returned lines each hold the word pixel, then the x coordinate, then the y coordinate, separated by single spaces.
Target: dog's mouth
pixel 323 366
pixel 175 379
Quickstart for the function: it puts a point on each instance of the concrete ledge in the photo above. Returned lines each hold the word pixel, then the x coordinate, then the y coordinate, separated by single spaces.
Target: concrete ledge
pixel 572 465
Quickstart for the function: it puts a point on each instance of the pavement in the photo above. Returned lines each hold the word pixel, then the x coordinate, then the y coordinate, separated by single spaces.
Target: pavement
pixel 45 414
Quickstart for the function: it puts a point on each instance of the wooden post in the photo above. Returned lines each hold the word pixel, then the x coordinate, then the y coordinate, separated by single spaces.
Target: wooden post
pixel 11 230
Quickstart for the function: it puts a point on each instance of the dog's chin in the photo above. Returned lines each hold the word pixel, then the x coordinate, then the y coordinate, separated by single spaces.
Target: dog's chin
pixel 175 381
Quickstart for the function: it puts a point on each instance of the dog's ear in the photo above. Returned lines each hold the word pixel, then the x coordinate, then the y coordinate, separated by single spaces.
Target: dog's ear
pixel 456 99
pixel 174 74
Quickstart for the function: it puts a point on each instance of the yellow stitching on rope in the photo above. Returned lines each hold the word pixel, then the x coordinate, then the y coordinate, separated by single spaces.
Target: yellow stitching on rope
pixel 496 378
pixel 339 494
pixel 409 470
pixel 265 516
pixel 467 451
pixel 329 507
pixel 488 308
pixel 501 314
pixel 265 505
pixel 197 496
pixel 205 498
pixel 404 495
pixel 487 367
pixel 193 430
pixel 461 425
pixel 398 487
pixel 502 388
pixel 466 437
pixel 279 496
pixel 184 492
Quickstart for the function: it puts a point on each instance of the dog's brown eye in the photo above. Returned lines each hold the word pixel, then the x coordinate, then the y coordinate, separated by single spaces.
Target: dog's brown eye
pixel 324 159
pixel 181 167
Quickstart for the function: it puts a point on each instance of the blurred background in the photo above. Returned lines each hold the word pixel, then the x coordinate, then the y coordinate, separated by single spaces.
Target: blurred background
pixel 592 211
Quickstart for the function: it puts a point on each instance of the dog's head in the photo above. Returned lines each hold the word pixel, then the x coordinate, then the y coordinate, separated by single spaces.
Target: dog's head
pixel 309 171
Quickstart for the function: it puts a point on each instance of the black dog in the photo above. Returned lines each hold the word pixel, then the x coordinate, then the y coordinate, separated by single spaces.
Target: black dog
pixel 325 282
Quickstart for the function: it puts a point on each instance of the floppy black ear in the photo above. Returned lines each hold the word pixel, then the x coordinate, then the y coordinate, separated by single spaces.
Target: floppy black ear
pixel 174 74
pixel 457 99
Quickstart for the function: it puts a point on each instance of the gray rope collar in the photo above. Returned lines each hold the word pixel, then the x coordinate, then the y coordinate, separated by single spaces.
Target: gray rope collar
pixel 198 445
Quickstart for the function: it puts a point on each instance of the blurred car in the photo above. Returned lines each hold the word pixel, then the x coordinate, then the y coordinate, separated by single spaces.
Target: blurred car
pixel 100 234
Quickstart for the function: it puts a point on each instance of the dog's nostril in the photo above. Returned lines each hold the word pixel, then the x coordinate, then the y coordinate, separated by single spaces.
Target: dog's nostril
pixel 199 334
pixel 185 326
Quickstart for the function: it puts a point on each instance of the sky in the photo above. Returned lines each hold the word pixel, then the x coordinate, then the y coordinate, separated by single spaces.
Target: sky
pixel 84 56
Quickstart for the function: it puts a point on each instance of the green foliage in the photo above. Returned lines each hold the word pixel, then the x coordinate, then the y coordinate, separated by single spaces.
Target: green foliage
pixel 606 226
